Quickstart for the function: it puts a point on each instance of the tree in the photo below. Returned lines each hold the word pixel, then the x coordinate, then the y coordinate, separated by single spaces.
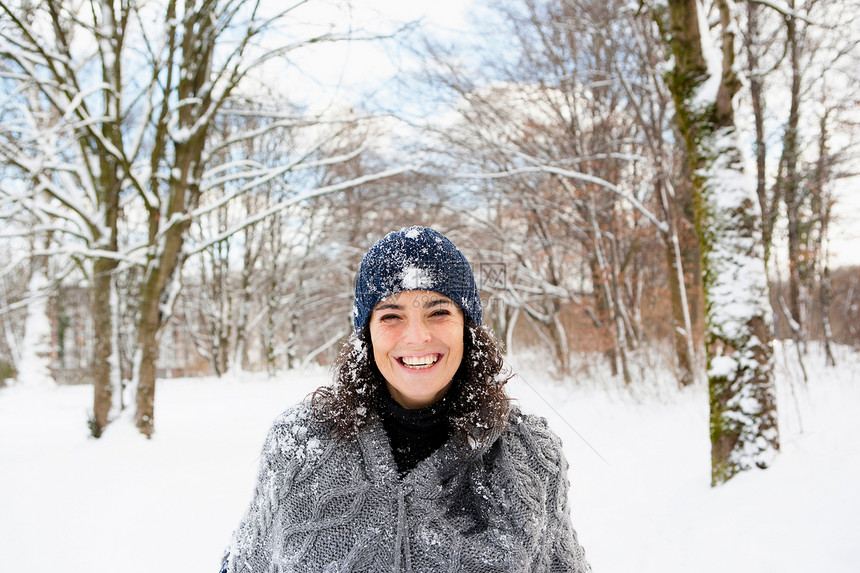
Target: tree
pixel 565 115
pixel 71 160
pixel 819 42
pixel 743 420
pixel 34 369
pixel 96 140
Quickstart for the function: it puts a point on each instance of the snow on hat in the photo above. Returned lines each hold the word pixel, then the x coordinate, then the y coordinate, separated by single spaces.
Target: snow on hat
pixel 414 258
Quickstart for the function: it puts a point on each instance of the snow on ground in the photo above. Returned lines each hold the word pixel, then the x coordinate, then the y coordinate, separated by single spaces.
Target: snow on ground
pixel 639 472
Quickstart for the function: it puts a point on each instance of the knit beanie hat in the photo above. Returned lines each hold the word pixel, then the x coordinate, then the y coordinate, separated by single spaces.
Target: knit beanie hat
pixel 414 258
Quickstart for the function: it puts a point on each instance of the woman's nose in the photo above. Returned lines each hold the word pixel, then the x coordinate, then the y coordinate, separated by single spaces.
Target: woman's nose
pixel 416 332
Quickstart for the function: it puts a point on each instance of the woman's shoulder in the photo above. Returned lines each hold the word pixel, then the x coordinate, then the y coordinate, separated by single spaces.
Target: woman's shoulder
pixel 296 415
pixel 296 434
pixel 531 437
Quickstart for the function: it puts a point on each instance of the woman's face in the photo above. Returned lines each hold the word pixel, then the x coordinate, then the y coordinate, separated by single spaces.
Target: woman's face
pixel 417 341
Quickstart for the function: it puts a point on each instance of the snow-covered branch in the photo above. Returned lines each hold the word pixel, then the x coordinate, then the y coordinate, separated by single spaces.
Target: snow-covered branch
pixel 661 226
pixel 260 176
pixel 298 198
pixel 785 10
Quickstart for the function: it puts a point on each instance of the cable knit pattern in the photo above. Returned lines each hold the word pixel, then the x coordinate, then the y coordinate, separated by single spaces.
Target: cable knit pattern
pixel 322 506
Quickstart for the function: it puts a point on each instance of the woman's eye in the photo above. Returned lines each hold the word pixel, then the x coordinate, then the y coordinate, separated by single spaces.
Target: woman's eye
pixel 388 317
pixel 441 312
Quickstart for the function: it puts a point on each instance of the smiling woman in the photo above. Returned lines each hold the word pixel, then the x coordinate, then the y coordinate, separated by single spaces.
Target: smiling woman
pixel 417 345
pixel 413 460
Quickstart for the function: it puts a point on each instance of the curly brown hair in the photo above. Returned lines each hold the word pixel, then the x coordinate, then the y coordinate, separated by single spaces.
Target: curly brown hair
pixel 478 399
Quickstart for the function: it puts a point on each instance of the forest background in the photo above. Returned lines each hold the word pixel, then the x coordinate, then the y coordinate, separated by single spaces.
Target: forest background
pixel 187 187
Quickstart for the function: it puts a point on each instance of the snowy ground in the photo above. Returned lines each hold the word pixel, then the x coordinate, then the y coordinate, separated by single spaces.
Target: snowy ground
pixel 639 467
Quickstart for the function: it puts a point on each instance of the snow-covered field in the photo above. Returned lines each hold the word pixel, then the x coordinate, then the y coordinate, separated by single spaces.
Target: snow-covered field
pixel 639 467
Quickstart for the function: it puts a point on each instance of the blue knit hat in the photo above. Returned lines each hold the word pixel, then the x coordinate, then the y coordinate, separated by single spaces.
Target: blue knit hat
pixel 414 258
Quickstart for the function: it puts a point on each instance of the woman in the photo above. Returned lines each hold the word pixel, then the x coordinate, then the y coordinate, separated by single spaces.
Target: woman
pixel 413 460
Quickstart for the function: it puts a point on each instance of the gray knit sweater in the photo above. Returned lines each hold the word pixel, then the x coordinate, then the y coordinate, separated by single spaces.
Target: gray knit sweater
pixel 325 506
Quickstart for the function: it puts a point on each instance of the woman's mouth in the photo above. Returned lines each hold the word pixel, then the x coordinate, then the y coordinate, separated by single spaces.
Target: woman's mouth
pixel 419 362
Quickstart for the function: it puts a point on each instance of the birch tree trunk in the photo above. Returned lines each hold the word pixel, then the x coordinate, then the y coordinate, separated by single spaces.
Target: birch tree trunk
pixel 685 353
pixel 34 369
pixel 821 206
pixel 753 45
pixel 789 189
pixel 743 420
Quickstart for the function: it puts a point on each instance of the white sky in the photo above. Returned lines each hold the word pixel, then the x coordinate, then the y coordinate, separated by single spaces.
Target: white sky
pixel 331 72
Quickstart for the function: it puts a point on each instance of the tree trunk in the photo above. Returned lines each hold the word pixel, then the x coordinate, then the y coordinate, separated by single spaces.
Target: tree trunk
pixel 223 299
pixel 237 364
pixel 103 335
pixel 167 233
pixel 740 376
pixel 821 206
pixel 756 85
pixel 788 187
pixel 691 257
pixel 681 323
pixel 161 282
pixel 34 368
pixel 621 322
pixel 272 306
pixel 826 301
pixel 110 182
pixel 155 304
pixel 145 362
pixel 559 338
pixel 603 294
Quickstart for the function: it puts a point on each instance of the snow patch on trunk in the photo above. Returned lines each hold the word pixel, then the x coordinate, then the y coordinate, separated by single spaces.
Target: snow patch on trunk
pixel 34 370
pixel 743 402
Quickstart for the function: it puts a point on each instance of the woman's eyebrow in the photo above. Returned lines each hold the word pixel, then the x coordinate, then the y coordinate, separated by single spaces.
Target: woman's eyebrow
pixel 389 306
pixel 437 302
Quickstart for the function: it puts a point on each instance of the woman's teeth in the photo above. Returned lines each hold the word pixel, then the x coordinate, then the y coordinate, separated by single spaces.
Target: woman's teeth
pixel 419 362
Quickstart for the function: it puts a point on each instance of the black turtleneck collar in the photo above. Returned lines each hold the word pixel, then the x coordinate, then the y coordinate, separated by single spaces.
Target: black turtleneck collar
pixel 414 433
